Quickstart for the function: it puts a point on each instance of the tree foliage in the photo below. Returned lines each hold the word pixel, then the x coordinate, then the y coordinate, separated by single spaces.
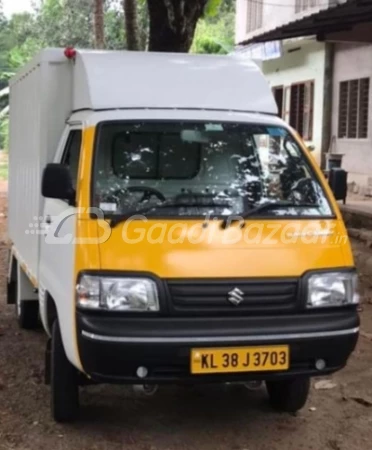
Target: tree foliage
pixel 215 31
pixel 202 26
pixel 159 25
pixel 66 22
pixel 173 24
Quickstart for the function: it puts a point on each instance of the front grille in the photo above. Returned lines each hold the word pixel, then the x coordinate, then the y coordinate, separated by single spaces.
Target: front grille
pixel 212 296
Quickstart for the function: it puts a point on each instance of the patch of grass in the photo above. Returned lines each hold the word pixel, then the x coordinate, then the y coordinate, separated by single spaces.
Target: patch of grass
pixel 3 172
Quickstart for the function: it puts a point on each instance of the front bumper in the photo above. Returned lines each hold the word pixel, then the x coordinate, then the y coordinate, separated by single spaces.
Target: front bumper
pixel 112 348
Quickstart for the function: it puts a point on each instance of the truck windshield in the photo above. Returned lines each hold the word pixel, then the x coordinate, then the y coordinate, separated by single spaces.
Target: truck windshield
pixel 200 169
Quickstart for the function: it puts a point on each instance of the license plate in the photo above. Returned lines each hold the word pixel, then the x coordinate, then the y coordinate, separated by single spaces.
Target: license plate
pixel 240 359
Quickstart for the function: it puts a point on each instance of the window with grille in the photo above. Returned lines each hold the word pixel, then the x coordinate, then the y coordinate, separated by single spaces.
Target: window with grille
pixel 303 5
pixel 254 14
pixel 353 109
pixel 278 92
pixel 301 108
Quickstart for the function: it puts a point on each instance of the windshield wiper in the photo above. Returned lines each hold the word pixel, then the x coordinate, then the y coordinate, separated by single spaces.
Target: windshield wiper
pixel 259 208
pixel 171 204
pixel 121 217
pixel 266 206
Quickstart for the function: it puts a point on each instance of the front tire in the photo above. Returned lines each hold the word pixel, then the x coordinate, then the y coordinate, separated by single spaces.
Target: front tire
pixel 64 381
pixel 288 395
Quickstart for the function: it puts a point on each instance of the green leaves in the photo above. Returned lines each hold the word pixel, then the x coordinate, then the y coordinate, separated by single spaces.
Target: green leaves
pixel 60 23
pixel 212 8
pixel 215 34
pixel 4 133
pixel 19 55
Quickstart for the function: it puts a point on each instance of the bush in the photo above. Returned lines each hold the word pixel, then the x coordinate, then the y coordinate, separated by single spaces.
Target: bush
pixel 4 134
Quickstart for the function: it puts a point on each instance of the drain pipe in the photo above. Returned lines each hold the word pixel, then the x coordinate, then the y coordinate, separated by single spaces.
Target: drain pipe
pixel 327 102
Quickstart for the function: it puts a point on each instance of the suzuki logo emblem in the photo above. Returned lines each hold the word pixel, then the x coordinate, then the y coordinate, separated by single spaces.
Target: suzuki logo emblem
pixel 235 296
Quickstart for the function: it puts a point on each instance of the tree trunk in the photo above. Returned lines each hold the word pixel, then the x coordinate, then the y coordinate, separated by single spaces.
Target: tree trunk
pixel 99 27
pixel 173 23
pixel 131 24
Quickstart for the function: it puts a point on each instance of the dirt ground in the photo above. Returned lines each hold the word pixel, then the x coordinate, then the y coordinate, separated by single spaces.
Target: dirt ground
pixel 228 418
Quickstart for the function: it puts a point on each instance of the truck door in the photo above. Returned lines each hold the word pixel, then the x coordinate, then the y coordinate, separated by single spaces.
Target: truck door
pixel 57 243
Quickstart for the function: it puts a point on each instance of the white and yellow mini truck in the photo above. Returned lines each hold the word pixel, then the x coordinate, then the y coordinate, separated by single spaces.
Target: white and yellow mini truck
pixel 167 226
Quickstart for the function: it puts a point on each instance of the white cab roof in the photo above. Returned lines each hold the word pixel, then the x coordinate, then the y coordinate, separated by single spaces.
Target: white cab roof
pixel 109 80
pixel 124 79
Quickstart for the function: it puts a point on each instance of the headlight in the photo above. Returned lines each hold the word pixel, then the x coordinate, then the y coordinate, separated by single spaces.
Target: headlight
pixel 332 289
pixel 117 294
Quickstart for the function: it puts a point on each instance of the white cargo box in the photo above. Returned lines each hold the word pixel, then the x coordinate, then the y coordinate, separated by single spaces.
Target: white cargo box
pixel 46 91
pixel 40 102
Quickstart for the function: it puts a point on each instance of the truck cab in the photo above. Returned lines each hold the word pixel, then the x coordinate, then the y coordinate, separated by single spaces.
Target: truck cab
pixel 181 232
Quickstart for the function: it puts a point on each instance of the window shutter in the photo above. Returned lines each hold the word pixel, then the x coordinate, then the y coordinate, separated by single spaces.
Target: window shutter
pixel 353 109
pixel 363 108
pixel 352 118
pixel 308 110
pixel 254 15
pixel 293 109
pixel 342 109
pixel 287 104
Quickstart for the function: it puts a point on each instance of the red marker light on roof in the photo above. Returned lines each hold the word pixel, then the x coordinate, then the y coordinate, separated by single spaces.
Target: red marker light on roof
pixel 70 53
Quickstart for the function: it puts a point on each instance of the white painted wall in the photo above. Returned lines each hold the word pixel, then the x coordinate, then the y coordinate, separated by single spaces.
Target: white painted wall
pixel 304 64
pixel 275 13
pixel 354 61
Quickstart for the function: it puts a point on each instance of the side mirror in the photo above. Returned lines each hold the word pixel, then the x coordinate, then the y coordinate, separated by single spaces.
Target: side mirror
pixel 311 148
pixel 337 179
pixel 57 183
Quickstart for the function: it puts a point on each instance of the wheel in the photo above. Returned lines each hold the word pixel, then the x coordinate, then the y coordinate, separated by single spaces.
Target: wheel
pixel 27 311
pixel 288 395
pixel 64 381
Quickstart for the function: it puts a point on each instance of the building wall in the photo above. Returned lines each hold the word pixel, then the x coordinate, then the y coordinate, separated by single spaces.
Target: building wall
pixel 274 14
pixel 302 60
pixel 353 61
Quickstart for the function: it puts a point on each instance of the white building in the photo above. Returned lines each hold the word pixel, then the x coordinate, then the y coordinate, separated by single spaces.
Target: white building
pixel 352 113
pixel 257 17
pixel 297 80
pixel 297 72
pixel 322 82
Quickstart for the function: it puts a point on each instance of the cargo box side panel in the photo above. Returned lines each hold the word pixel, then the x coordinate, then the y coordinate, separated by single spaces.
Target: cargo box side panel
pixel 57 79
pixel 40 103
pixel 24 167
